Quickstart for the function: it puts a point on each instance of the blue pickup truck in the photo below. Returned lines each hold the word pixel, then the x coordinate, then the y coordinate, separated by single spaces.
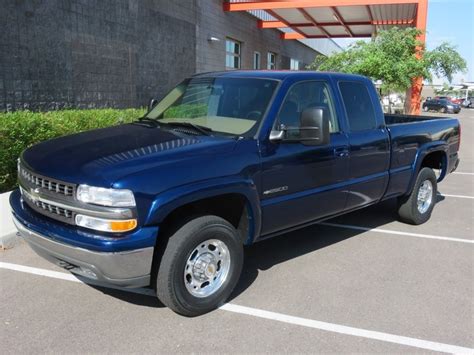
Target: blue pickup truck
pixel 224 160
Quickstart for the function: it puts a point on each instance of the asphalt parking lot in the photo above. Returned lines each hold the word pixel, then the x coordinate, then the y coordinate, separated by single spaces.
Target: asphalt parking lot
pixel 363 282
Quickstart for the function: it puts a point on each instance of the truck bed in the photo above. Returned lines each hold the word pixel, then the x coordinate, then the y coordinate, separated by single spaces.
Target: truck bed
pixel 391 119
pixel 408 134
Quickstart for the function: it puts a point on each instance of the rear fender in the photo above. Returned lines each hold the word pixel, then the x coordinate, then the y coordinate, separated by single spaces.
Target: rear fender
pixel 423 151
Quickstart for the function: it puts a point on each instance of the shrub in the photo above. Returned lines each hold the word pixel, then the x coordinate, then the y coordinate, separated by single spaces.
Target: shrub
pixel 21 129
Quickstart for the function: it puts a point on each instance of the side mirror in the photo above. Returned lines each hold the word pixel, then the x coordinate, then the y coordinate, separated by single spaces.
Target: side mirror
pixel 152 104
pixel 314 129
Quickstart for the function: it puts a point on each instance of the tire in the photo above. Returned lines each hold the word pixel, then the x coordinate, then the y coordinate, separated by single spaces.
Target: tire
pixel 425 108
pixel 443 110
pixel 411 208
pixel 205 249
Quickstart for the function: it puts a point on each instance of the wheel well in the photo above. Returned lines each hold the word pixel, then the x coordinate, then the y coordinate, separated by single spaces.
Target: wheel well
pixel 436 161
pixel 231 207
pixel 234 208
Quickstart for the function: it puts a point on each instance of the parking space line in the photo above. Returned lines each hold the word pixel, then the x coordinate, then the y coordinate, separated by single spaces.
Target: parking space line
pixel 462 173
pixel 457 196
pixel 342 329
pixel 390 231
pixel 70 277
pixel 305 322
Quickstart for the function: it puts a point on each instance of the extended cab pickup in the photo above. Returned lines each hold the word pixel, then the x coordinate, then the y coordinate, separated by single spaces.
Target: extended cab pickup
pixel 224 160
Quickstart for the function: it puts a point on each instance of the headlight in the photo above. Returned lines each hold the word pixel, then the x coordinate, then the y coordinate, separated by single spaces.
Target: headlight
pixel 105 197
pixel 106 225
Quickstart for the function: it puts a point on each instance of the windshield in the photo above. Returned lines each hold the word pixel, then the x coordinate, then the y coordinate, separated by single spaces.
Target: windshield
pixel 233 106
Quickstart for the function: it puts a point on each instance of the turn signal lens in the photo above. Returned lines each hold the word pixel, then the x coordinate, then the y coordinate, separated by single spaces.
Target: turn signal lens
pixel 122 226
pixel 106 225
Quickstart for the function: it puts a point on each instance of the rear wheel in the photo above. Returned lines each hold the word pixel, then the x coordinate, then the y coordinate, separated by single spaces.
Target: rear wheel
pixel 416 208
pixel 425 108
pixel 200 266
pixel 443 110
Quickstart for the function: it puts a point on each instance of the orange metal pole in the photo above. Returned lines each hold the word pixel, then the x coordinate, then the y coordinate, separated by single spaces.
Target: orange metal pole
pixel 417 83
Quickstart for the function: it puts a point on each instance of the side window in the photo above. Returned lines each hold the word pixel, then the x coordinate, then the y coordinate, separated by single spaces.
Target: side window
pixel 304 95
pixel 232 54
pixel 359 107
pixel 271 61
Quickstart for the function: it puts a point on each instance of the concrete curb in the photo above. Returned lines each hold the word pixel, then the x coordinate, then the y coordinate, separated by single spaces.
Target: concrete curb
pixel 8 236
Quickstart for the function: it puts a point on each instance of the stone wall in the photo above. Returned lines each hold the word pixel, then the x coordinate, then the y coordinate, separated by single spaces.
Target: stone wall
pixel 103 53
pixel 120 53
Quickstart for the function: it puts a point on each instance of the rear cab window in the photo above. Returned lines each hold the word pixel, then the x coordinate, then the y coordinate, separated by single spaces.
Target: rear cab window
pixel 358 105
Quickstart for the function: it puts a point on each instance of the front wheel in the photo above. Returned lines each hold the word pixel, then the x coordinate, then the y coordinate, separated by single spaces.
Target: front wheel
pixel 425 108
pixel 416 208
pixel 200 266
pixel 443 110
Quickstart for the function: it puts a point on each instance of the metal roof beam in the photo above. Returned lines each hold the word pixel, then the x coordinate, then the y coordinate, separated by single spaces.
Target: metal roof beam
pixel 310 18
pixel 282 20
pixel 274 5
pixel 272 24
pixel 338 17
pixel 279 24
pixel 296 35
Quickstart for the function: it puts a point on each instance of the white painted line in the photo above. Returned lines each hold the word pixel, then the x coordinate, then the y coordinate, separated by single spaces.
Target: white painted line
pixel 457 196
pixel 462 173
pixel 70 277
pixel 342 329
pixel 389 231
pixel 309 323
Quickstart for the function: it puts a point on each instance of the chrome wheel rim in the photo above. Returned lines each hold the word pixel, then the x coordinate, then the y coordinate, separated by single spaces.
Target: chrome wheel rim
pixel 425 196
pixel 207 268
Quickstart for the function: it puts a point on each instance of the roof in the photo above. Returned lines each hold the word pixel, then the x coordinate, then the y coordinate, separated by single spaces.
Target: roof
pixel 277 74
pixel 325 46
pixel 335 18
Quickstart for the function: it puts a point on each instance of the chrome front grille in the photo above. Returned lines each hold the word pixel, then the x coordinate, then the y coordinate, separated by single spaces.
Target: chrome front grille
pixel 56 199
pixel 47 196
pixel 49 209
pixel 30 179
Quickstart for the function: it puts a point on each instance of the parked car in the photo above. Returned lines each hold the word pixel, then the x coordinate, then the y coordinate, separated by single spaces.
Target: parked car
pixel 469 102
pixel 441 105
pixel 443 98
pixel 224 160
pixel 457 101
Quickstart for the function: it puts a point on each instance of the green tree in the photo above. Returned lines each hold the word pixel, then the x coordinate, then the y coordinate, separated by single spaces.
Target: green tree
pixel 395 57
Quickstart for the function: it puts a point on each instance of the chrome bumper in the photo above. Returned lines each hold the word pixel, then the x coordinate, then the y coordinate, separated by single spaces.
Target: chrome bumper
pixel 126 269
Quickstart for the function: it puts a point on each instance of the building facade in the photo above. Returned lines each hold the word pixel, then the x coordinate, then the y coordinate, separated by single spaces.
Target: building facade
pixel 121 53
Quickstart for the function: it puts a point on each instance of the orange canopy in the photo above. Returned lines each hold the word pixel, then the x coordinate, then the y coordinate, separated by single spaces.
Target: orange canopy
pixel 341 19
pixel 336 18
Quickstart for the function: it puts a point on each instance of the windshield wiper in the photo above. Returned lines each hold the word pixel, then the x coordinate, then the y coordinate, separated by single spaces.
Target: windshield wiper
pixel 202 129
pixel 147 122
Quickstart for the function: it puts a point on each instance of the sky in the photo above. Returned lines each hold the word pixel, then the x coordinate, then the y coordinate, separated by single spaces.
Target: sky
pixel 449 21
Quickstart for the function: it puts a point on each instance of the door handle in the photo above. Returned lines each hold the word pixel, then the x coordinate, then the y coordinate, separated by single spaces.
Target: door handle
pixel 341 152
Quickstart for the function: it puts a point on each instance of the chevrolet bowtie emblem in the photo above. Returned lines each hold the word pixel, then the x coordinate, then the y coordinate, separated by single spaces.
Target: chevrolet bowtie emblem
pixel 34 193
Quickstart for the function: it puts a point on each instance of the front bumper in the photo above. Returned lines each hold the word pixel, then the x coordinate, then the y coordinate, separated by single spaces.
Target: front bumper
pixel 123 261
pixel 126 269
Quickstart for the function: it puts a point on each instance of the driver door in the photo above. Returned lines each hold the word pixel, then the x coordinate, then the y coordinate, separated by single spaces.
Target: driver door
pixel 302 183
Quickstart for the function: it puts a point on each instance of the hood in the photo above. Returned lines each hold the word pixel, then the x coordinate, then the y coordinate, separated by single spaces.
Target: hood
pixel 102 156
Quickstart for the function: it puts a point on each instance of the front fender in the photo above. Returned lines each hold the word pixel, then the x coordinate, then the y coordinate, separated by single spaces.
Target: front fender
pixel 168 201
